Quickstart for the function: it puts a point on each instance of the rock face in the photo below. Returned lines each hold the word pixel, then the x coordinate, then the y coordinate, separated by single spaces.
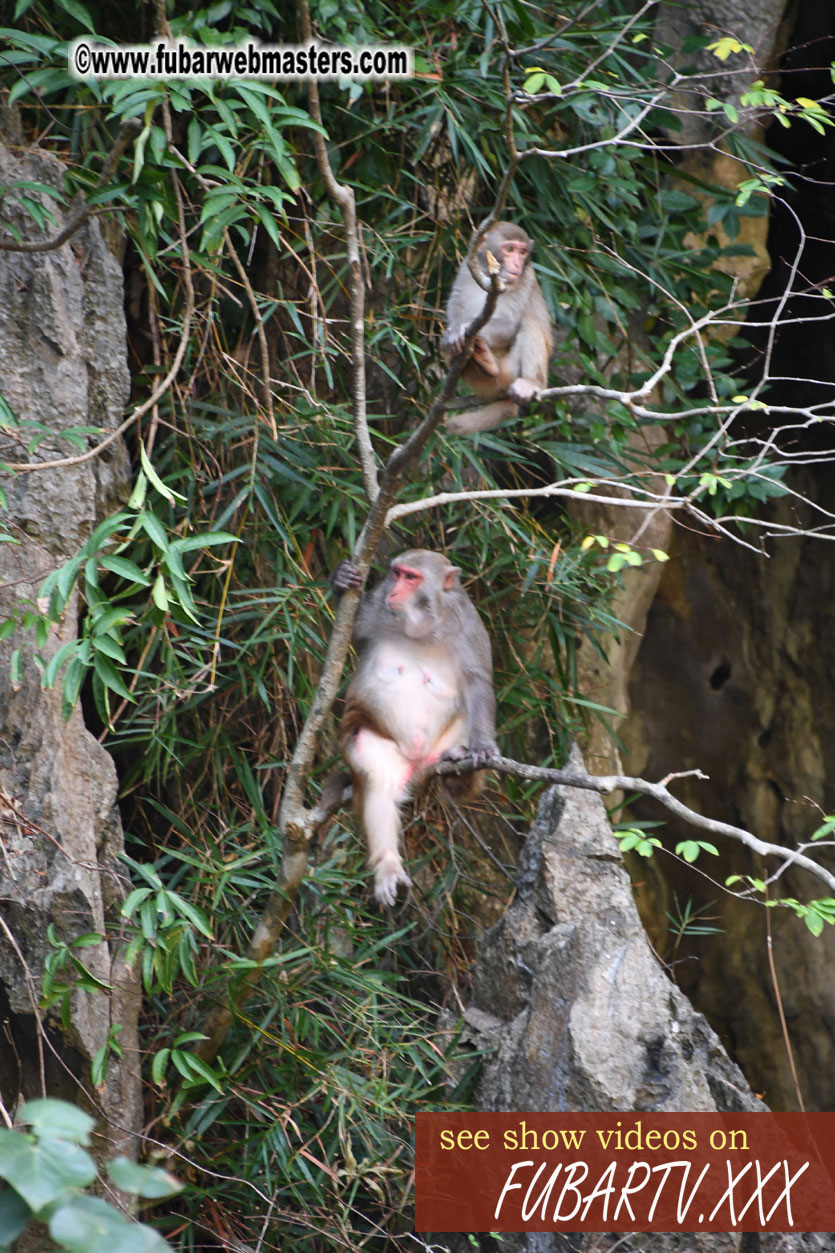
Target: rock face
pixel 588 1018
pixel 581 1015
pixel 734 677
pixel 62 365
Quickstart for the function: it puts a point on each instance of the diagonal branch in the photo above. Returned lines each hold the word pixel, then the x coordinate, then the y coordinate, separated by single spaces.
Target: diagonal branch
pixel 657 791
pixel 127 133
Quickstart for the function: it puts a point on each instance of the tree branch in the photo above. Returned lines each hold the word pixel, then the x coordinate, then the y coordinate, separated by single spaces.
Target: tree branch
pixel 127 133
pixel 605 784
pixel 344 196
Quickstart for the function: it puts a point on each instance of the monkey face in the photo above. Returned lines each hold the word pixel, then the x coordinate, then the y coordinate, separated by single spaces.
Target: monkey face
pixel 404 584
pixel 514 255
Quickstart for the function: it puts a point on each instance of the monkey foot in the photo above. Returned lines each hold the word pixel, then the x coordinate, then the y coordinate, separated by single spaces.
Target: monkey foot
pixel 387 879
pixel 522 390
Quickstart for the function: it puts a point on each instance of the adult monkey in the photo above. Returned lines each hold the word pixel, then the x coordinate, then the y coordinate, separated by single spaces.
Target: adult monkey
pixel 423 691
pixel 509 364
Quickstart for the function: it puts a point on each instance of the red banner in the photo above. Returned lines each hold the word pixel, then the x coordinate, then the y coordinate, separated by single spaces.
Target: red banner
pixel 624 1172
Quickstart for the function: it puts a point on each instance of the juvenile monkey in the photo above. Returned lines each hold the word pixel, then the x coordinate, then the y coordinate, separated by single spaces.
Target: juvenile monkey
pixel 423 690
pixel 509 364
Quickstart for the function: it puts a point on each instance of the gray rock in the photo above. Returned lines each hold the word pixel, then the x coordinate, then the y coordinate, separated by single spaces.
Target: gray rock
pixel 62 365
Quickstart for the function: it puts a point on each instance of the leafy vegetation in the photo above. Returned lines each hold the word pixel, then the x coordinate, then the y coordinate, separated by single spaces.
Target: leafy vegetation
pixel 46 1171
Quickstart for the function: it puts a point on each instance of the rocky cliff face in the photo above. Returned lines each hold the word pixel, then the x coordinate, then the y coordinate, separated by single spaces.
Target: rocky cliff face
pixel 62 365
pixel 735 676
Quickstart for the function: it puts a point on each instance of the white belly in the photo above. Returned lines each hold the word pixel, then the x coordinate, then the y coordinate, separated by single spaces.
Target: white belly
pixel 416 695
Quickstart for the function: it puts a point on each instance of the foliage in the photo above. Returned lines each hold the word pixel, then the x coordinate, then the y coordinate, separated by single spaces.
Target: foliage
pixel 46 1171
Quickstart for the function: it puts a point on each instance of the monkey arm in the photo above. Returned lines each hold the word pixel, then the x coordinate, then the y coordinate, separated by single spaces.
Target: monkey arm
pixel 481 711
pixel 536 343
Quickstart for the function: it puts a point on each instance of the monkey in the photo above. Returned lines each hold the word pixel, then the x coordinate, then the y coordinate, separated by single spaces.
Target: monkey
pixel 422 693
pixel 509 364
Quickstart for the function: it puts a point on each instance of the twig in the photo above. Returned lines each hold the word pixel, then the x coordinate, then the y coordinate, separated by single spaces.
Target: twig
pixel 127 133
pixel 259 327
pixel 344 196
pixel 783 1025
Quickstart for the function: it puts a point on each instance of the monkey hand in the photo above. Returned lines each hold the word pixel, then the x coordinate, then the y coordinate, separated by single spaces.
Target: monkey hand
pixel 482 751
pixel 522 390
pixel 389 874
pixel 345 577
pixel 454 339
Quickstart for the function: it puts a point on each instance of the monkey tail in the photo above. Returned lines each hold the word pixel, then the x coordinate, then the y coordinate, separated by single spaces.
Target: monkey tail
pixel 464 788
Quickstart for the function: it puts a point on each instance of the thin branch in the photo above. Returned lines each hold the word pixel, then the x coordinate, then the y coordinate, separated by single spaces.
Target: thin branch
pixel 259 328
pixel 781 1012
pixel 657 791
pixel 127 133
pixel 566 488
pixel 344 196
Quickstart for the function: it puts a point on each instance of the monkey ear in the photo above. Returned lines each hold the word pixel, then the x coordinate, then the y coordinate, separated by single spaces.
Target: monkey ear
pixel 451 577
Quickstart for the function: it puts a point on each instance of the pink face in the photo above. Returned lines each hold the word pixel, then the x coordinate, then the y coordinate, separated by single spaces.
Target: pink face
pixel 514 255
pixel 406 581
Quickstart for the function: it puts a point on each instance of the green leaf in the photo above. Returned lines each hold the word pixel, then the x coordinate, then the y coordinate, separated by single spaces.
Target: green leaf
pixel 110 677
pixel 110 647
pixel 159 1066
pixel 86 1224
pixel 53 1118
pixel 127 569
pixel 153 477
pixel 159 594
pixel 79 12
pixel 149 1181
pixel 98 1068
pixel 44 1171
pixel 64 653
pixel 195 916
pixel 195 542
pixel 201 1068
pixel 137 496
pixel 14 1215
pixel 136 897
pixel 154 529
pixel 826 828
pixel 115 615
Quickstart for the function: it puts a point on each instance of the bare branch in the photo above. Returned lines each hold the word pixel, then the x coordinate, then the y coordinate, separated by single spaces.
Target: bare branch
pixel 127 133
pixel 657 791
pixel 344 196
